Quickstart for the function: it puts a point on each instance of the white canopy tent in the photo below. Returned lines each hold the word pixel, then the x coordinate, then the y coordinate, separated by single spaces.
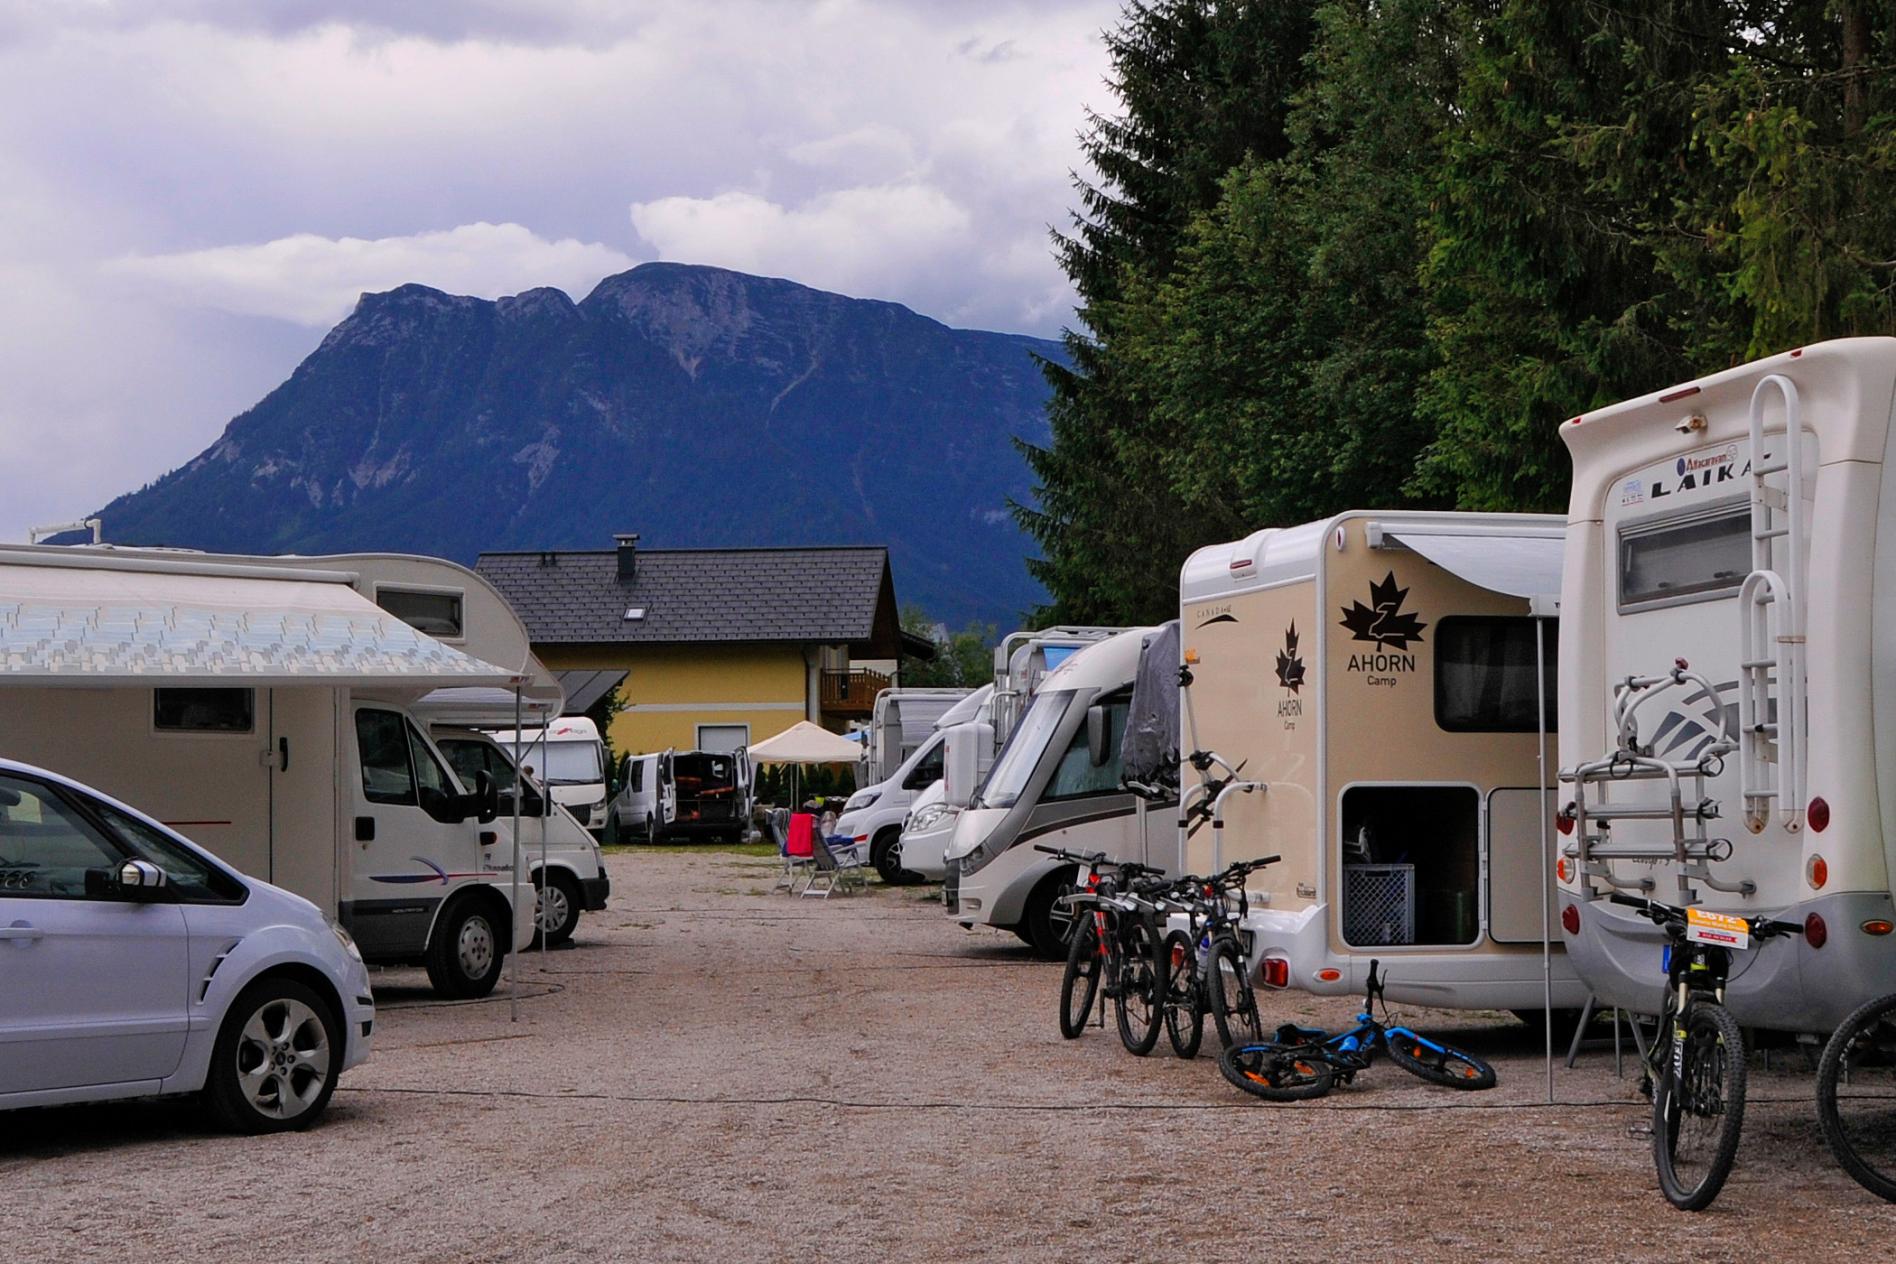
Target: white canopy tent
pixel 805 743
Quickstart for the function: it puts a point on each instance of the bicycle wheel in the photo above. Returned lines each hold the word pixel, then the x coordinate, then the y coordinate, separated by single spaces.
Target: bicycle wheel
pixel 1233 1002
pixel 1438 1063
pixel 1699 1108
pixel 1856 1096
pixel 1277 1073
pixel 1140 999
pixel 1080 984
pixel 1184 1007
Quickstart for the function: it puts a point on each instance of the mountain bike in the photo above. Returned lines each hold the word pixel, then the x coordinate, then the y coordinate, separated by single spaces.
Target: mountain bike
pixel 1097 947
pixel 1856 1095
pixel 1695 1070
pixel 1305 1062
pixel 1214 937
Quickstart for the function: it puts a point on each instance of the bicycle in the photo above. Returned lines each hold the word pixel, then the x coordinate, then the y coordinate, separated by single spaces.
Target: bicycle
pixel 1215 939
pixel 1306 1062
pixel 1695 1069
pixel 1096 950
pixel 1856 1095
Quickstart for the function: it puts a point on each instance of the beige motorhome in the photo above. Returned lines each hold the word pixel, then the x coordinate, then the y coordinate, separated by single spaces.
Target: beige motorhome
pixel 1364 696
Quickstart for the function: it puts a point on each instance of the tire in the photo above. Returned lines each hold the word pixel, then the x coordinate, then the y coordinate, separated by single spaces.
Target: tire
pixel 558 922
pixel 1184 995
pixel 1856 1096
pixel 1044 926
pixel 1233 1000
pixel 882 855
pixel 1698 1112
pixel 1139 1001
pixel 651 831
pixel 1079 985
pixel 1450 1067
pixel 277 1058
pixel 465 955
pixel 1276 1073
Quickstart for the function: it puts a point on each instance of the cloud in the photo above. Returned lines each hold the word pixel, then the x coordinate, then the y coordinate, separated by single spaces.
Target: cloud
pixel 315 281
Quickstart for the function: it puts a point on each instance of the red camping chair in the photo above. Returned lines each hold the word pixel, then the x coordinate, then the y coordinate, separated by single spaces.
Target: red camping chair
pixel 798 845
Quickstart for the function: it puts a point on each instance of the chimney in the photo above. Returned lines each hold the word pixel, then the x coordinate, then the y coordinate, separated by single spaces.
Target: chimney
pixel 628 547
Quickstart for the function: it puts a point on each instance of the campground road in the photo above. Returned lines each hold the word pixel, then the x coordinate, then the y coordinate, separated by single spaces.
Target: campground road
pixel 715 1073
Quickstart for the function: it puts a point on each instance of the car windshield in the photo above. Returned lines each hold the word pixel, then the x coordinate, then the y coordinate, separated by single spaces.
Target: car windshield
pixel 563 763
pixel 1024 749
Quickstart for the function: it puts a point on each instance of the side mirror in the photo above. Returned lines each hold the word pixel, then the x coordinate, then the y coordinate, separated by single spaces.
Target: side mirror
pixel 1099 731
pixel 133 880
pixel 961 762
pixel 486 798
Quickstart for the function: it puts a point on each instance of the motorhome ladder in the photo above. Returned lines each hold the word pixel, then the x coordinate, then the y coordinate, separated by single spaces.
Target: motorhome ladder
pixel 1771 629
pixel 1686 806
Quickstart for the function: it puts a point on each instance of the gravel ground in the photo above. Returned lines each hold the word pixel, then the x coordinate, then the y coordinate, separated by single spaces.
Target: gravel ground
pixel 714 1072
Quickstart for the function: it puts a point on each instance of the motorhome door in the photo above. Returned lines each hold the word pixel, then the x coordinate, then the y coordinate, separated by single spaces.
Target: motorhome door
pixel 301 724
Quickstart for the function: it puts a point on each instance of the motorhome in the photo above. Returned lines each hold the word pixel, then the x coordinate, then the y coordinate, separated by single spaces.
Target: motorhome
pixel 903 721
pixel 1056 783
pixel 681 794
pixel 928 820
pixel 1727 696
pixel 261 707
pixel 568 756
pixel 1023 660
pixel 1363 699
pixel 873 816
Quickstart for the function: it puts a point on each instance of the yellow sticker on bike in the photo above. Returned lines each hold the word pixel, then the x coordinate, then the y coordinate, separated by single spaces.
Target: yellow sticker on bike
pixel 1705 927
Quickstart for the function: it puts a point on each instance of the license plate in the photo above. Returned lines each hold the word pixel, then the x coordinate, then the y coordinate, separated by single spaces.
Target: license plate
pixel 1703 927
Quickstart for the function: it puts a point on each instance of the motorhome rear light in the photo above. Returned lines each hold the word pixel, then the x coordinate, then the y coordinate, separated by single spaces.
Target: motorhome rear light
pixel 1191 656
pixel 1817 872
pixel 1816 934
pixel 1818 814
pixel 1878 926
pixel 1684 392
pixel 1242 564
pixel 1563 820
pixel 1276 972
pixel 1796 353
pixel 1570 920
pixel 1563 869
pixel 1329 975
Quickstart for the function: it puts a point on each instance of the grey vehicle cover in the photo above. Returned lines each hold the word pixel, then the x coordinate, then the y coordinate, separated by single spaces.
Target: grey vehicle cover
pixel 1149 750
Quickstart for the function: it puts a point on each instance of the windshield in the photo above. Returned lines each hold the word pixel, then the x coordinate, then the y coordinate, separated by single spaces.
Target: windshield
pixel 1024 750
pixel 563 763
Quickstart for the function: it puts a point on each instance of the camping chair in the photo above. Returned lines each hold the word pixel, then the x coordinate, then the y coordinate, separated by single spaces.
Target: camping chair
pixel 835 873
pixel 792 844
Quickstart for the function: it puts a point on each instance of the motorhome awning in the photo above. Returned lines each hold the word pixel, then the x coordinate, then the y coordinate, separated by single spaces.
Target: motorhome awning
pixel 480 707
pixel 583 688
pixel 1519 561
pixel 105 624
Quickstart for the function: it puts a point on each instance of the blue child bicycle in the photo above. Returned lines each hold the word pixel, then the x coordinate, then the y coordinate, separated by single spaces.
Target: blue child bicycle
pixel 1306 1062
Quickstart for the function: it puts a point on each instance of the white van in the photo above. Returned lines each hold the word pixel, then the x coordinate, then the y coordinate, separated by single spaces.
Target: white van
pixel 567 757
pixel 262 709
pixel 680 794
pixel 874 814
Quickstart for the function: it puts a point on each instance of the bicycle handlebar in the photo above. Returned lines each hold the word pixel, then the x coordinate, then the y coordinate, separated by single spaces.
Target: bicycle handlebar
pixel 1672 916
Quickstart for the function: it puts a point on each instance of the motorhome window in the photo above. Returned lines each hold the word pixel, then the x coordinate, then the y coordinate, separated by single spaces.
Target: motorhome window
pixel 382 739
pixel 1077 775
pixel 1486 679
pixel 433 777
pixel 928 769
pixel 204 710
pixel 470 757
pixel 45 846
pixel 1411 865
pixel 563 763
pixel 432 613
pixel 1024 749
pixel 191 876
pixel 1696 558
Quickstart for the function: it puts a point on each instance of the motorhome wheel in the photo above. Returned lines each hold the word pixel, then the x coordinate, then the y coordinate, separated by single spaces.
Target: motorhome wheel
pixel 1047 923
pixel 885 855
pixel 277 1059
pixel 465 958
pixel 555 909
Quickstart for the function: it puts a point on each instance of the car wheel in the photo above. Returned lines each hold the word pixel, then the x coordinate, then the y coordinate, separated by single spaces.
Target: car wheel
pixel 555 909
pixel 465 956
pixel 276 1060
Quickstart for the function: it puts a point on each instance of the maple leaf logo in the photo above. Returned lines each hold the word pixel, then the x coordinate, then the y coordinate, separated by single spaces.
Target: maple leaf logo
pixel 1290 668
pixel 1382 621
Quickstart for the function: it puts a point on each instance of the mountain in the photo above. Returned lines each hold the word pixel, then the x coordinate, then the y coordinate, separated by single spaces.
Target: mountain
pixel 693 405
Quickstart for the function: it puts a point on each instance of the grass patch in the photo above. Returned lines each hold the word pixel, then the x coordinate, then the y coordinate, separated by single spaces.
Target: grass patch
pixel 692 849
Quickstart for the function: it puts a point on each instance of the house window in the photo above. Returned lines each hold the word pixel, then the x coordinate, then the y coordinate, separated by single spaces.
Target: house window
pixel 204 710
pixel 431 613
pixel 1486 679
pixel 723 739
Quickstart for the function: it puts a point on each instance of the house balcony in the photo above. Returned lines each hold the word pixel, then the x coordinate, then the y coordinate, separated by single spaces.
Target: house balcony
pixel 852 693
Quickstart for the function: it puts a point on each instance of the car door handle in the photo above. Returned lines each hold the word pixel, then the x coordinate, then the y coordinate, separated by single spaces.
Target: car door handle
pixel 20 930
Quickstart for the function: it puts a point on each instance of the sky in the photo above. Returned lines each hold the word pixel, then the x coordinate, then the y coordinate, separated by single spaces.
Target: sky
pixel 193 191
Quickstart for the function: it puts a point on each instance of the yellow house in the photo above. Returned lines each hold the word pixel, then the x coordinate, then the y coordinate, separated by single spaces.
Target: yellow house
pixel 718 648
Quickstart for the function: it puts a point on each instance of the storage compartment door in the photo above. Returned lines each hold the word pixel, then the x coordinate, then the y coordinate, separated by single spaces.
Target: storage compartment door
pixel 1514 867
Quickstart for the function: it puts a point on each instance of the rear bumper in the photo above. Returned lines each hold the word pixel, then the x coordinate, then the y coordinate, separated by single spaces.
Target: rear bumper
pixel 593 892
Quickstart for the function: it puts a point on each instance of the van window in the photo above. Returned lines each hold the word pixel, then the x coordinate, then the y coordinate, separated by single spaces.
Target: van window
pixel 1486 680
pixel 431 613
pixel 203 710
pixel 382 739
pixel 1701 557
pixel 927 772
pixel 638 773
pixel 1077 775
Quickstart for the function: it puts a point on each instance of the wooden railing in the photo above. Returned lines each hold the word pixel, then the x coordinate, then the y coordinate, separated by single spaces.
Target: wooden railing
pixel 852 692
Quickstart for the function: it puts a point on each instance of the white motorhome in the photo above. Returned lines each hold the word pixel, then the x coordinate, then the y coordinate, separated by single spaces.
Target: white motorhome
pixel 1371 688
pixel 681 794
pixel 570 759
pixel 902 722
pixel 1056 783
pixel 1023 659
pixel 1727 692
pixel 873 815
pixel 261 707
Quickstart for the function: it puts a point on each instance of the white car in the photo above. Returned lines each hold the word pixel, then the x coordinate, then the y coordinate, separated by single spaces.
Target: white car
pixel 132 964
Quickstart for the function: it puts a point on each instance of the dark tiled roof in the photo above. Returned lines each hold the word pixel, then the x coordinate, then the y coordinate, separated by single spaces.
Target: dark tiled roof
pixel 830 595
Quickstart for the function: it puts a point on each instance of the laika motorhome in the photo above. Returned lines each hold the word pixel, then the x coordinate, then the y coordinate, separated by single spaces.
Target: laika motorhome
pixel 1727 686
pixel 904 720
pixel 689 794
pixel 568 757
pixel 261 708
pixel 1370 688
pixel 1055 783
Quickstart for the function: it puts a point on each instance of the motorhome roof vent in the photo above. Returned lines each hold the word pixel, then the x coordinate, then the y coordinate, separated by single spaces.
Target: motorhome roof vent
pixel 635 614
pixel 628 550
